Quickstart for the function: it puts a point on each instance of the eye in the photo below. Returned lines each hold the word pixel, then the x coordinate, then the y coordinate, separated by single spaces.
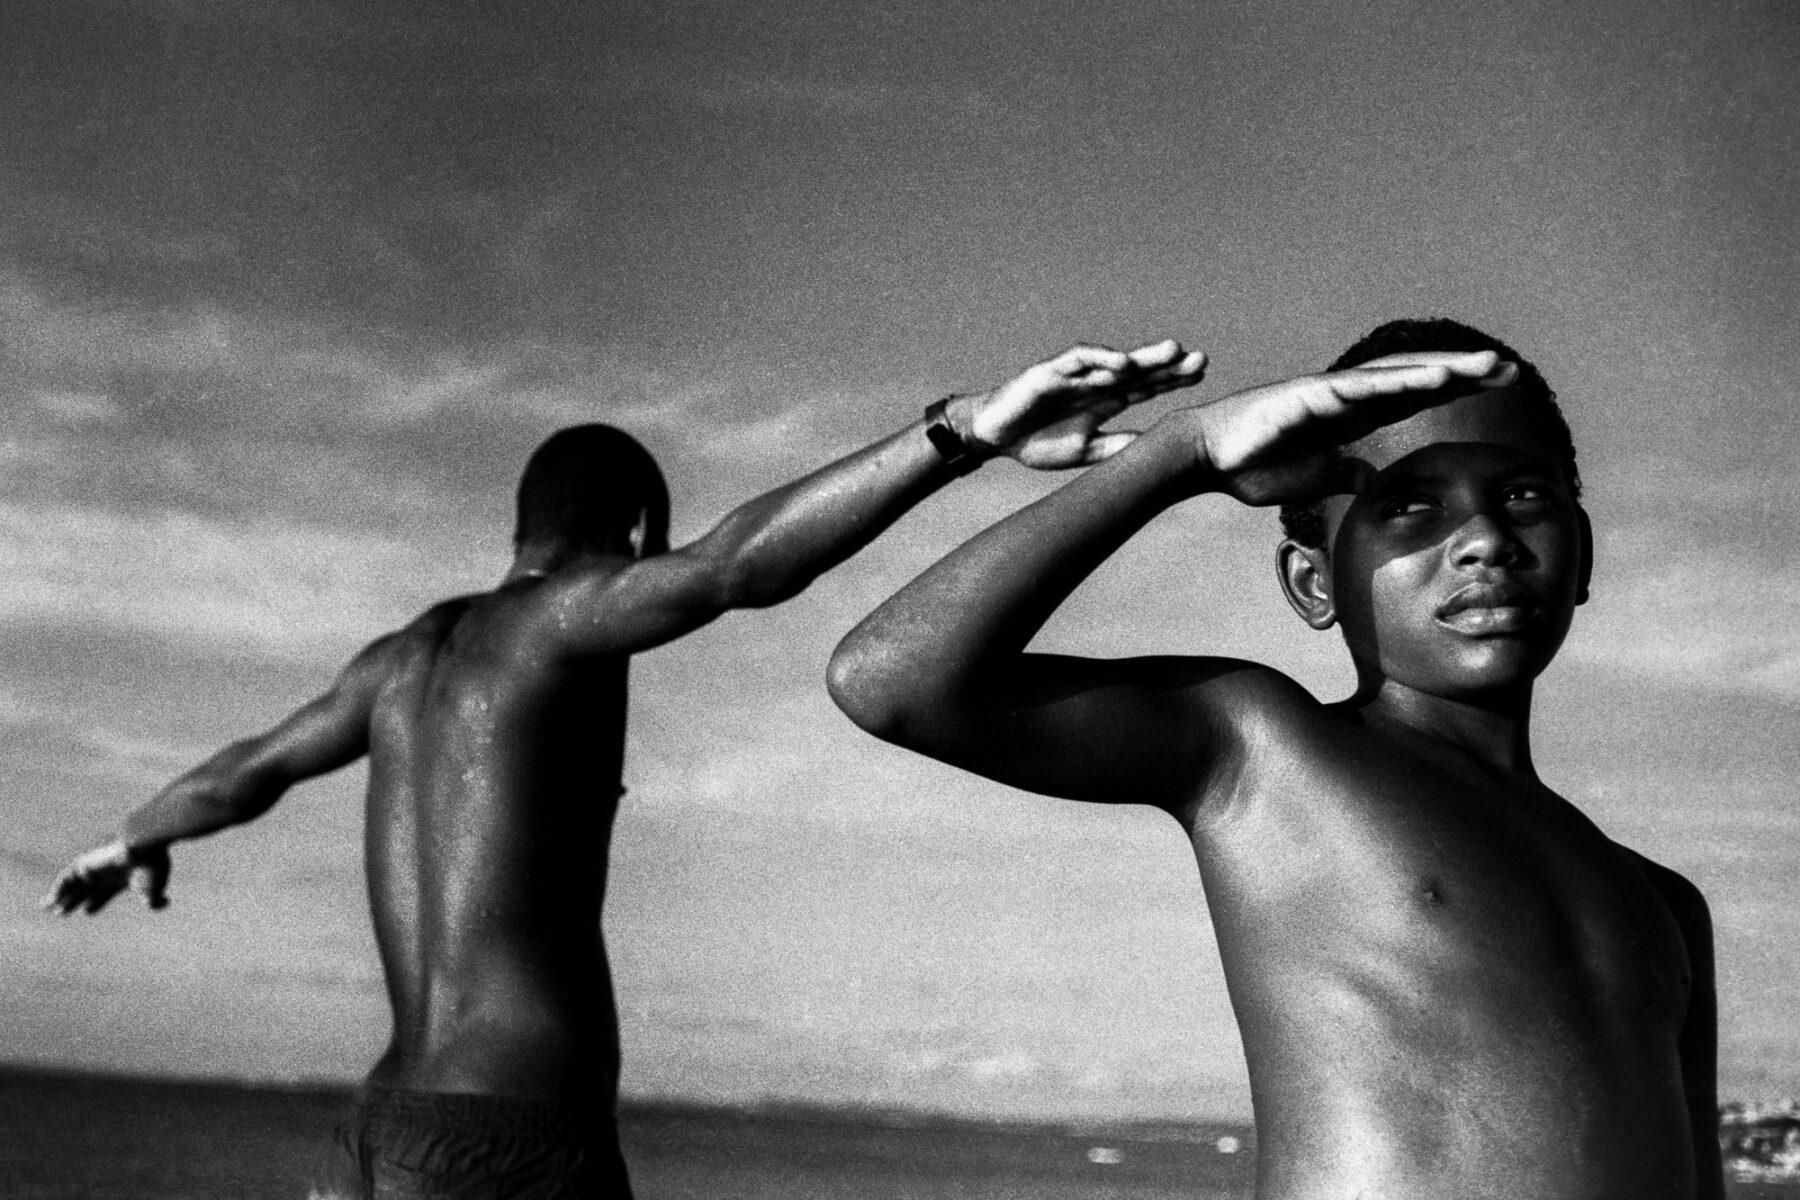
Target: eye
pixel 1527 493
pixel 1407 506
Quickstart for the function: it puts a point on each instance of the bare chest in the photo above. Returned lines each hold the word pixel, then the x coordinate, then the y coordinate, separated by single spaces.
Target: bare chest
pixel 1395 873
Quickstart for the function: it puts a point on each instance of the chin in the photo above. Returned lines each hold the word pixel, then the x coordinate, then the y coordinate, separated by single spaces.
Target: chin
pixel 1473 670
pixel 1494 667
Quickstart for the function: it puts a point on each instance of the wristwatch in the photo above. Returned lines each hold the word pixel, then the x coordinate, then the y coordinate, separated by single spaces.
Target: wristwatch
pixel 957 453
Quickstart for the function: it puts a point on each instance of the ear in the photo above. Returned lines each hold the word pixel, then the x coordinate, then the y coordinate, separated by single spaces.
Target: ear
pixel 1587 556
pixel 1306 582
pixel 640 533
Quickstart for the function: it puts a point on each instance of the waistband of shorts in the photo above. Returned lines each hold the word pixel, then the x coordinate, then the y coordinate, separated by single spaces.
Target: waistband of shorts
pixel 559 1115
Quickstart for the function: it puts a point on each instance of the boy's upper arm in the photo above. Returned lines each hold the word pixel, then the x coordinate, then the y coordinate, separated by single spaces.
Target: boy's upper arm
pixel 625 607
pixel 1699 1044
pixel 1138 730
pixel 329 732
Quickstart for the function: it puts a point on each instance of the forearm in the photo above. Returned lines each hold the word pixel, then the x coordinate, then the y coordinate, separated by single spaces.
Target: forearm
pixel 770 548
pixel 956 629
pixel 219 793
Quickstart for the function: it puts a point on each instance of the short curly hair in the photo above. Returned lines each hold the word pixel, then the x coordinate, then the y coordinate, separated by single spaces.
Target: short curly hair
pixel 1305 523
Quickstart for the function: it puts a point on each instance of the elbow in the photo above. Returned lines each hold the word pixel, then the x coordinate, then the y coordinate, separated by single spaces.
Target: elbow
pixel 744 586
pixel 861 682
pixel 232 805
pixel 236 789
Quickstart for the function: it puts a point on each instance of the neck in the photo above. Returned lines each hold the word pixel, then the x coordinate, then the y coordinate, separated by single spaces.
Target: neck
pixel 1496 729
pixel 535 560
pixel 530 563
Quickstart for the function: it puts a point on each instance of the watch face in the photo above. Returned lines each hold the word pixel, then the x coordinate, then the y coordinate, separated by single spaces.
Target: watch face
pixel 945 440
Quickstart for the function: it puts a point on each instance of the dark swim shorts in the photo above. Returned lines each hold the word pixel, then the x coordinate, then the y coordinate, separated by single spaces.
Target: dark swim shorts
pixel 405 1145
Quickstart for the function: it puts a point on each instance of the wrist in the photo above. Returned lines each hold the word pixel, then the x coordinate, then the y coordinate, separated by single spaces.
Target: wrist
pixel 1179 449
pixel 960 409
pixel 950 427
pixel 132 839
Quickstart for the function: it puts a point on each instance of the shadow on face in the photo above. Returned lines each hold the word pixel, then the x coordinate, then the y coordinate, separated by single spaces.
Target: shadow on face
pixel 1469 494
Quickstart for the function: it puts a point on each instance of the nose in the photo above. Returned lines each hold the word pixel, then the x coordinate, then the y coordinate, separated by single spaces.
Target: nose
pixel 1483 542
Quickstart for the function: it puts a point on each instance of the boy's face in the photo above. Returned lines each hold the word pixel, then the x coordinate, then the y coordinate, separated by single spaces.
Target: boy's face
pixel 1457 570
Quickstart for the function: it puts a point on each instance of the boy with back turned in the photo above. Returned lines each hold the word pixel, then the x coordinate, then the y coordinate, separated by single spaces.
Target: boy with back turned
pixel 1449 983
pixel 494 725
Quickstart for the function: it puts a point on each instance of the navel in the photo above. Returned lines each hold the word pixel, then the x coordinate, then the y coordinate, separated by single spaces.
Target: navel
pixel 1431 891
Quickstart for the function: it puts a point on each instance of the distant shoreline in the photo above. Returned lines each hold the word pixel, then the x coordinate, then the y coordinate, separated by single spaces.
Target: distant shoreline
pixel 71 1134
pixel 1200 1130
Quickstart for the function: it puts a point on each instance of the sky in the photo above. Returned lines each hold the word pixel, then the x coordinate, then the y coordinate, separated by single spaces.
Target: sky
pixel 289 290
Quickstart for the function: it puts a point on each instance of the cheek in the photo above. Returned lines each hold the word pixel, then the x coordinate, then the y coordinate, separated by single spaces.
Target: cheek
pixel 1560 550
pixel 1399 591
pixel 1383 607
pixel 1382 589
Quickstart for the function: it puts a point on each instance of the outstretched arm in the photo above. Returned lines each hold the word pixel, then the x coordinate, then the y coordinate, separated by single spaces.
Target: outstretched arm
pixel 238 784
pixel 940 668
pixel 770 548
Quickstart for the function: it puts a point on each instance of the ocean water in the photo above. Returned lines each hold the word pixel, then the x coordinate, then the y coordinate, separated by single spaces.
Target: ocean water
pixel 98 1138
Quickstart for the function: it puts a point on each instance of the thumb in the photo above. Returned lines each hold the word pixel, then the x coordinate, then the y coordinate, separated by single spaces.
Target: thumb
pixel 151 881
pixel 1105 445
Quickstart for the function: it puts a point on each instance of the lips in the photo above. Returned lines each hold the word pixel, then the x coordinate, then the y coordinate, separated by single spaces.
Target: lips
pixel 1482 609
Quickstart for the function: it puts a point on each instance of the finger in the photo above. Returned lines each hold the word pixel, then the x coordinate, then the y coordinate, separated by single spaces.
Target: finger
pixel 1479 362
pixel 1363 383
pixel 1482 369
pixel 71 892
pixel 1185 371
pixel 1057 446
pixel 53 899
pixel 1191 365
pixel 1156 354
pixel 1077 360
pixel 1104 446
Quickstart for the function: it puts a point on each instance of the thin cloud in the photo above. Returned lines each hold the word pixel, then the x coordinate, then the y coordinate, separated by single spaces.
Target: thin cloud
pixel 1694 613
pixel 84 744
pixel 29 864
pixel 80 408
pixel 65 343
pixel 277 588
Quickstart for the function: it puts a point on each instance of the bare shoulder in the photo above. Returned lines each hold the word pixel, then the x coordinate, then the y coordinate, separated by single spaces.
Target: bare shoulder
pixel 1247 706
pixel 1234 713
pixel 1255 691
pixel 1240 701
pixel 418 640
pixel 1685 900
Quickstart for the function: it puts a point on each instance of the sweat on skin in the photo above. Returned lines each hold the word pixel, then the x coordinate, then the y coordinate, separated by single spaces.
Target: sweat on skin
pixel 494 727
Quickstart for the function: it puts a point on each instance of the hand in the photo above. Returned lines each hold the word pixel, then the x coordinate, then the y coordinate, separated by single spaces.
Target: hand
pixel 1049 417
pixel 97 876
pixel 1275 444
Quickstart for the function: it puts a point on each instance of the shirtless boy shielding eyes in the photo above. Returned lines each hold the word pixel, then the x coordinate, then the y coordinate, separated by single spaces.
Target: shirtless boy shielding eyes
pixel 1449 983
pixel 494 725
